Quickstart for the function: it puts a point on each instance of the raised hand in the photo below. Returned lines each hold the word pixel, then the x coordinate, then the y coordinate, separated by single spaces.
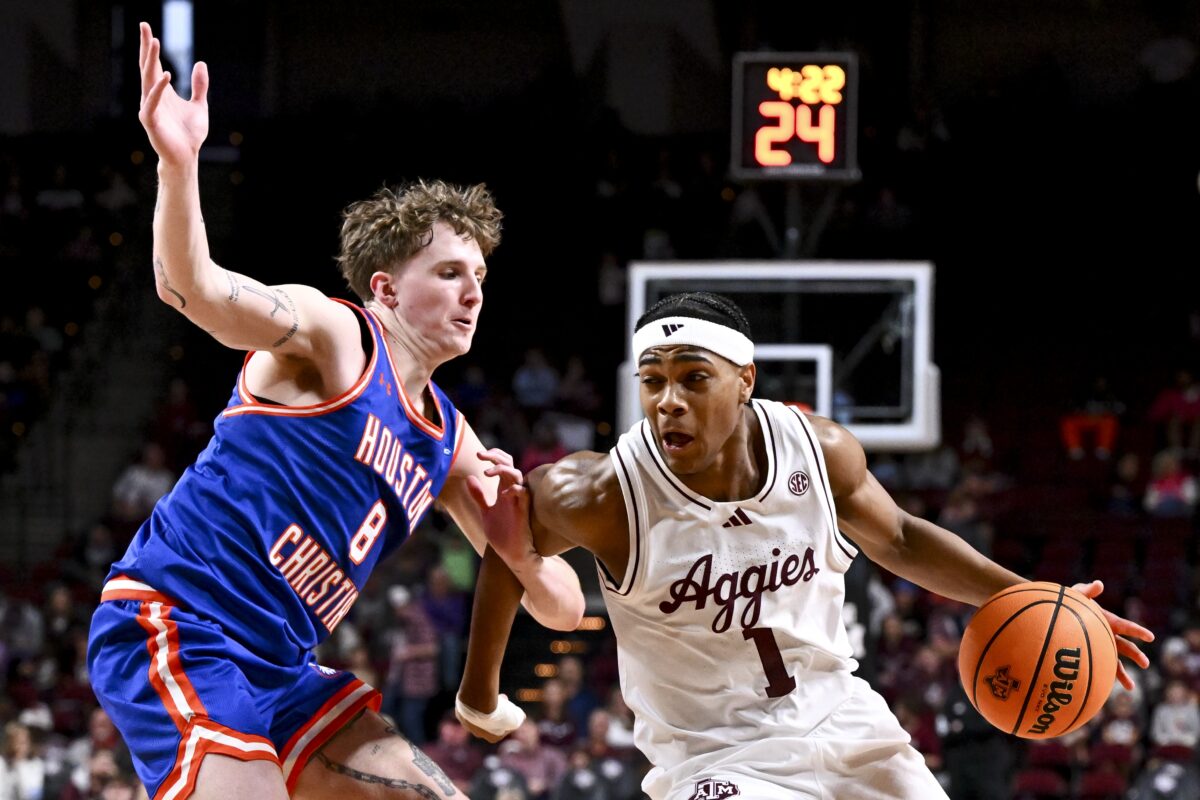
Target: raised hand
pixel 176 127
pixel 1123 628
pixel 506 520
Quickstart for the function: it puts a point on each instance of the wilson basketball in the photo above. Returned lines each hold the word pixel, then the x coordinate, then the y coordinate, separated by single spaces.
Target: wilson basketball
pixel 1038 660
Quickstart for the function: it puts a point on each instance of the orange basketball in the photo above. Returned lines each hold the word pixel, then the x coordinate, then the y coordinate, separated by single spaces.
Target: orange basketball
pixel 1038 660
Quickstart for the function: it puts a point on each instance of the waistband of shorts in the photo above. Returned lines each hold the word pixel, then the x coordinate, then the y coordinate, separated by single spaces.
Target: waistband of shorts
pixel 123 587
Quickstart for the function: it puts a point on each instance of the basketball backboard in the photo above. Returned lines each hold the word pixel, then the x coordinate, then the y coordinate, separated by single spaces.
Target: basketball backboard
pixel 849 340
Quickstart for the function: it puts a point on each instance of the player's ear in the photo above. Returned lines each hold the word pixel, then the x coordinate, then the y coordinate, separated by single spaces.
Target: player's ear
pixel 747 376
pixel 383 286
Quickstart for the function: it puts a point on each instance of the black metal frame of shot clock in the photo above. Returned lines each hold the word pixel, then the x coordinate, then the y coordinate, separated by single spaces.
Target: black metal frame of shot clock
pixel 847 171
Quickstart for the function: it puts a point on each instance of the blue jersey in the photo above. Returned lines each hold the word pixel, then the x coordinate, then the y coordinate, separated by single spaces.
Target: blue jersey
pixel 276 527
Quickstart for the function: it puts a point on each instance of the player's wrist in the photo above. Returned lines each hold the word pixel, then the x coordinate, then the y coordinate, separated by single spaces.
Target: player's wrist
pixel 174 171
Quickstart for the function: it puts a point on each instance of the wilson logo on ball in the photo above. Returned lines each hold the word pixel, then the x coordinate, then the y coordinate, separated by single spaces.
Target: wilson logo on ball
pixel 1066 669
pixel 1002 683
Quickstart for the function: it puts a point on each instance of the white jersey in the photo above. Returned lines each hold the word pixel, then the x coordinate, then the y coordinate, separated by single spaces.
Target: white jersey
pixel 729 617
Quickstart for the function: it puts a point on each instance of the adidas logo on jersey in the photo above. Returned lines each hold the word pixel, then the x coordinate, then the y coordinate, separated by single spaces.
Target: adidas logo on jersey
pixel 738 519
pixel 669 329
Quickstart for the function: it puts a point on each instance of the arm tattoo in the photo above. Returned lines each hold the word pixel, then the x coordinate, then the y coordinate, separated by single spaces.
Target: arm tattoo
pixel 295 320
pixel 363 777
pixel 234 289
pixel 273 295
pixel 162 277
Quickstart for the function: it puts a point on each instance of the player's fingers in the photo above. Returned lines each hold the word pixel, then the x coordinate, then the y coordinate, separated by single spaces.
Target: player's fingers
pixel 496 456
pixel 200 83
pixel 508 475
pixel 152 68
pixel 1124 678
pixel 1131 651
pixel 143 43
pixel 152 100
pixel 1125 627
pixel 1091 589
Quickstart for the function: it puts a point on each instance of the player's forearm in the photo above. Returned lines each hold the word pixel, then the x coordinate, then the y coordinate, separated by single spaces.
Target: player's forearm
pixel 497 594
pixel 940 561
pixel 183 268
pixel 552 592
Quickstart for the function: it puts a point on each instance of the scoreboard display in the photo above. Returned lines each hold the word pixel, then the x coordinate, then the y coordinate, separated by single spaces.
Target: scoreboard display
pixel 795 116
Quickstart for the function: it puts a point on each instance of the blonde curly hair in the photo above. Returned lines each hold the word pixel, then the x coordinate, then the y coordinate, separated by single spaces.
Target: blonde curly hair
pixel 386 230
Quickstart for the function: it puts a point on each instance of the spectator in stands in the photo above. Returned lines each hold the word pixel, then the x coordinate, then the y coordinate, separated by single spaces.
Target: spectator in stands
pixel 893 652
pixel 921 727
pixel 1172 491
pixel 1175 413
pixel 1176 720
pixel 936 469
pixel 101 737
pixel 555 724
pixel 1126 486
pixel 976 446
pixel 619 735
pixel 22 771
pixel 544 447
pixel 1095 415
pixel 100 772
pixel 542 765
pixel 1168 780
pixel 141 484
pixel 581 700
pixel 472 394
pixel 961 514
pixel 582 780
pixel 535 382
pixel 496 781
pixel 22 630
pixel 577 393
pixel 448 610
pixel 412 677
pixel 94 552
pixel 455 751
pixel 977 755
pixel 358 661
pixel 1122 723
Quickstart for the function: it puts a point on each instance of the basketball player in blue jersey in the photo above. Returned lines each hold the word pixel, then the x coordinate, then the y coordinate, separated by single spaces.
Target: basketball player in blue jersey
pixel 722 528
pixel 334 445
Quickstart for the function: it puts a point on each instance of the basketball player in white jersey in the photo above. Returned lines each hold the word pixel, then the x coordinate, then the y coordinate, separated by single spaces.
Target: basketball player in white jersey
pixel 722 527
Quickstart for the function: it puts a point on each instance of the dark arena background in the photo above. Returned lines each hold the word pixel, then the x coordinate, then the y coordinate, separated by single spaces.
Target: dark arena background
pixel 1043 156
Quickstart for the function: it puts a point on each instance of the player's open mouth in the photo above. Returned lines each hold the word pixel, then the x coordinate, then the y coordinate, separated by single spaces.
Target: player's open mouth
pixel 465 324
pixel 675 441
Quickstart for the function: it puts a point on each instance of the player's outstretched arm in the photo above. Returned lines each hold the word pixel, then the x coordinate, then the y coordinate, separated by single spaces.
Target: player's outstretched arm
pixel 479 706
pixel 240 312
pixel 574 496
pixel 913 548
pixel 922 552
pixel 486 496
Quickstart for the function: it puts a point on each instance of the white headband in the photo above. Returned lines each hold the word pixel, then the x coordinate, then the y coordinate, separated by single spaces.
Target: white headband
pixel 719 339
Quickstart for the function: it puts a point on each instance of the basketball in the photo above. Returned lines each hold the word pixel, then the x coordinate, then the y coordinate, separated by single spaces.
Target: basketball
pixel 1038 660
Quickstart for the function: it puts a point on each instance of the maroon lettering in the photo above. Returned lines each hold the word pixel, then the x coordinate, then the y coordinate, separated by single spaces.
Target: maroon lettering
pixel 699 586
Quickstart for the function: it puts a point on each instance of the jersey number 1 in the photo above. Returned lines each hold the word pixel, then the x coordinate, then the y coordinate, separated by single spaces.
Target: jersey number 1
pixel 779 682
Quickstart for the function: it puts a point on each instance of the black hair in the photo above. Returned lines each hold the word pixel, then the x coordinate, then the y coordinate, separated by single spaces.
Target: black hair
pixel 701 305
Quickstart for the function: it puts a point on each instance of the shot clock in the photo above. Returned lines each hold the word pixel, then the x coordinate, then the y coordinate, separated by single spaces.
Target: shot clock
pixel 795 116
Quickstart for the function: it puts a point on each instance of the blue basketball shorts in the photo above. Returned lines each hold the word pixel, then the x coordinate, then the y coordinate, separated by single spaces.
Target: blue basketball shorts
pixel 178 688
